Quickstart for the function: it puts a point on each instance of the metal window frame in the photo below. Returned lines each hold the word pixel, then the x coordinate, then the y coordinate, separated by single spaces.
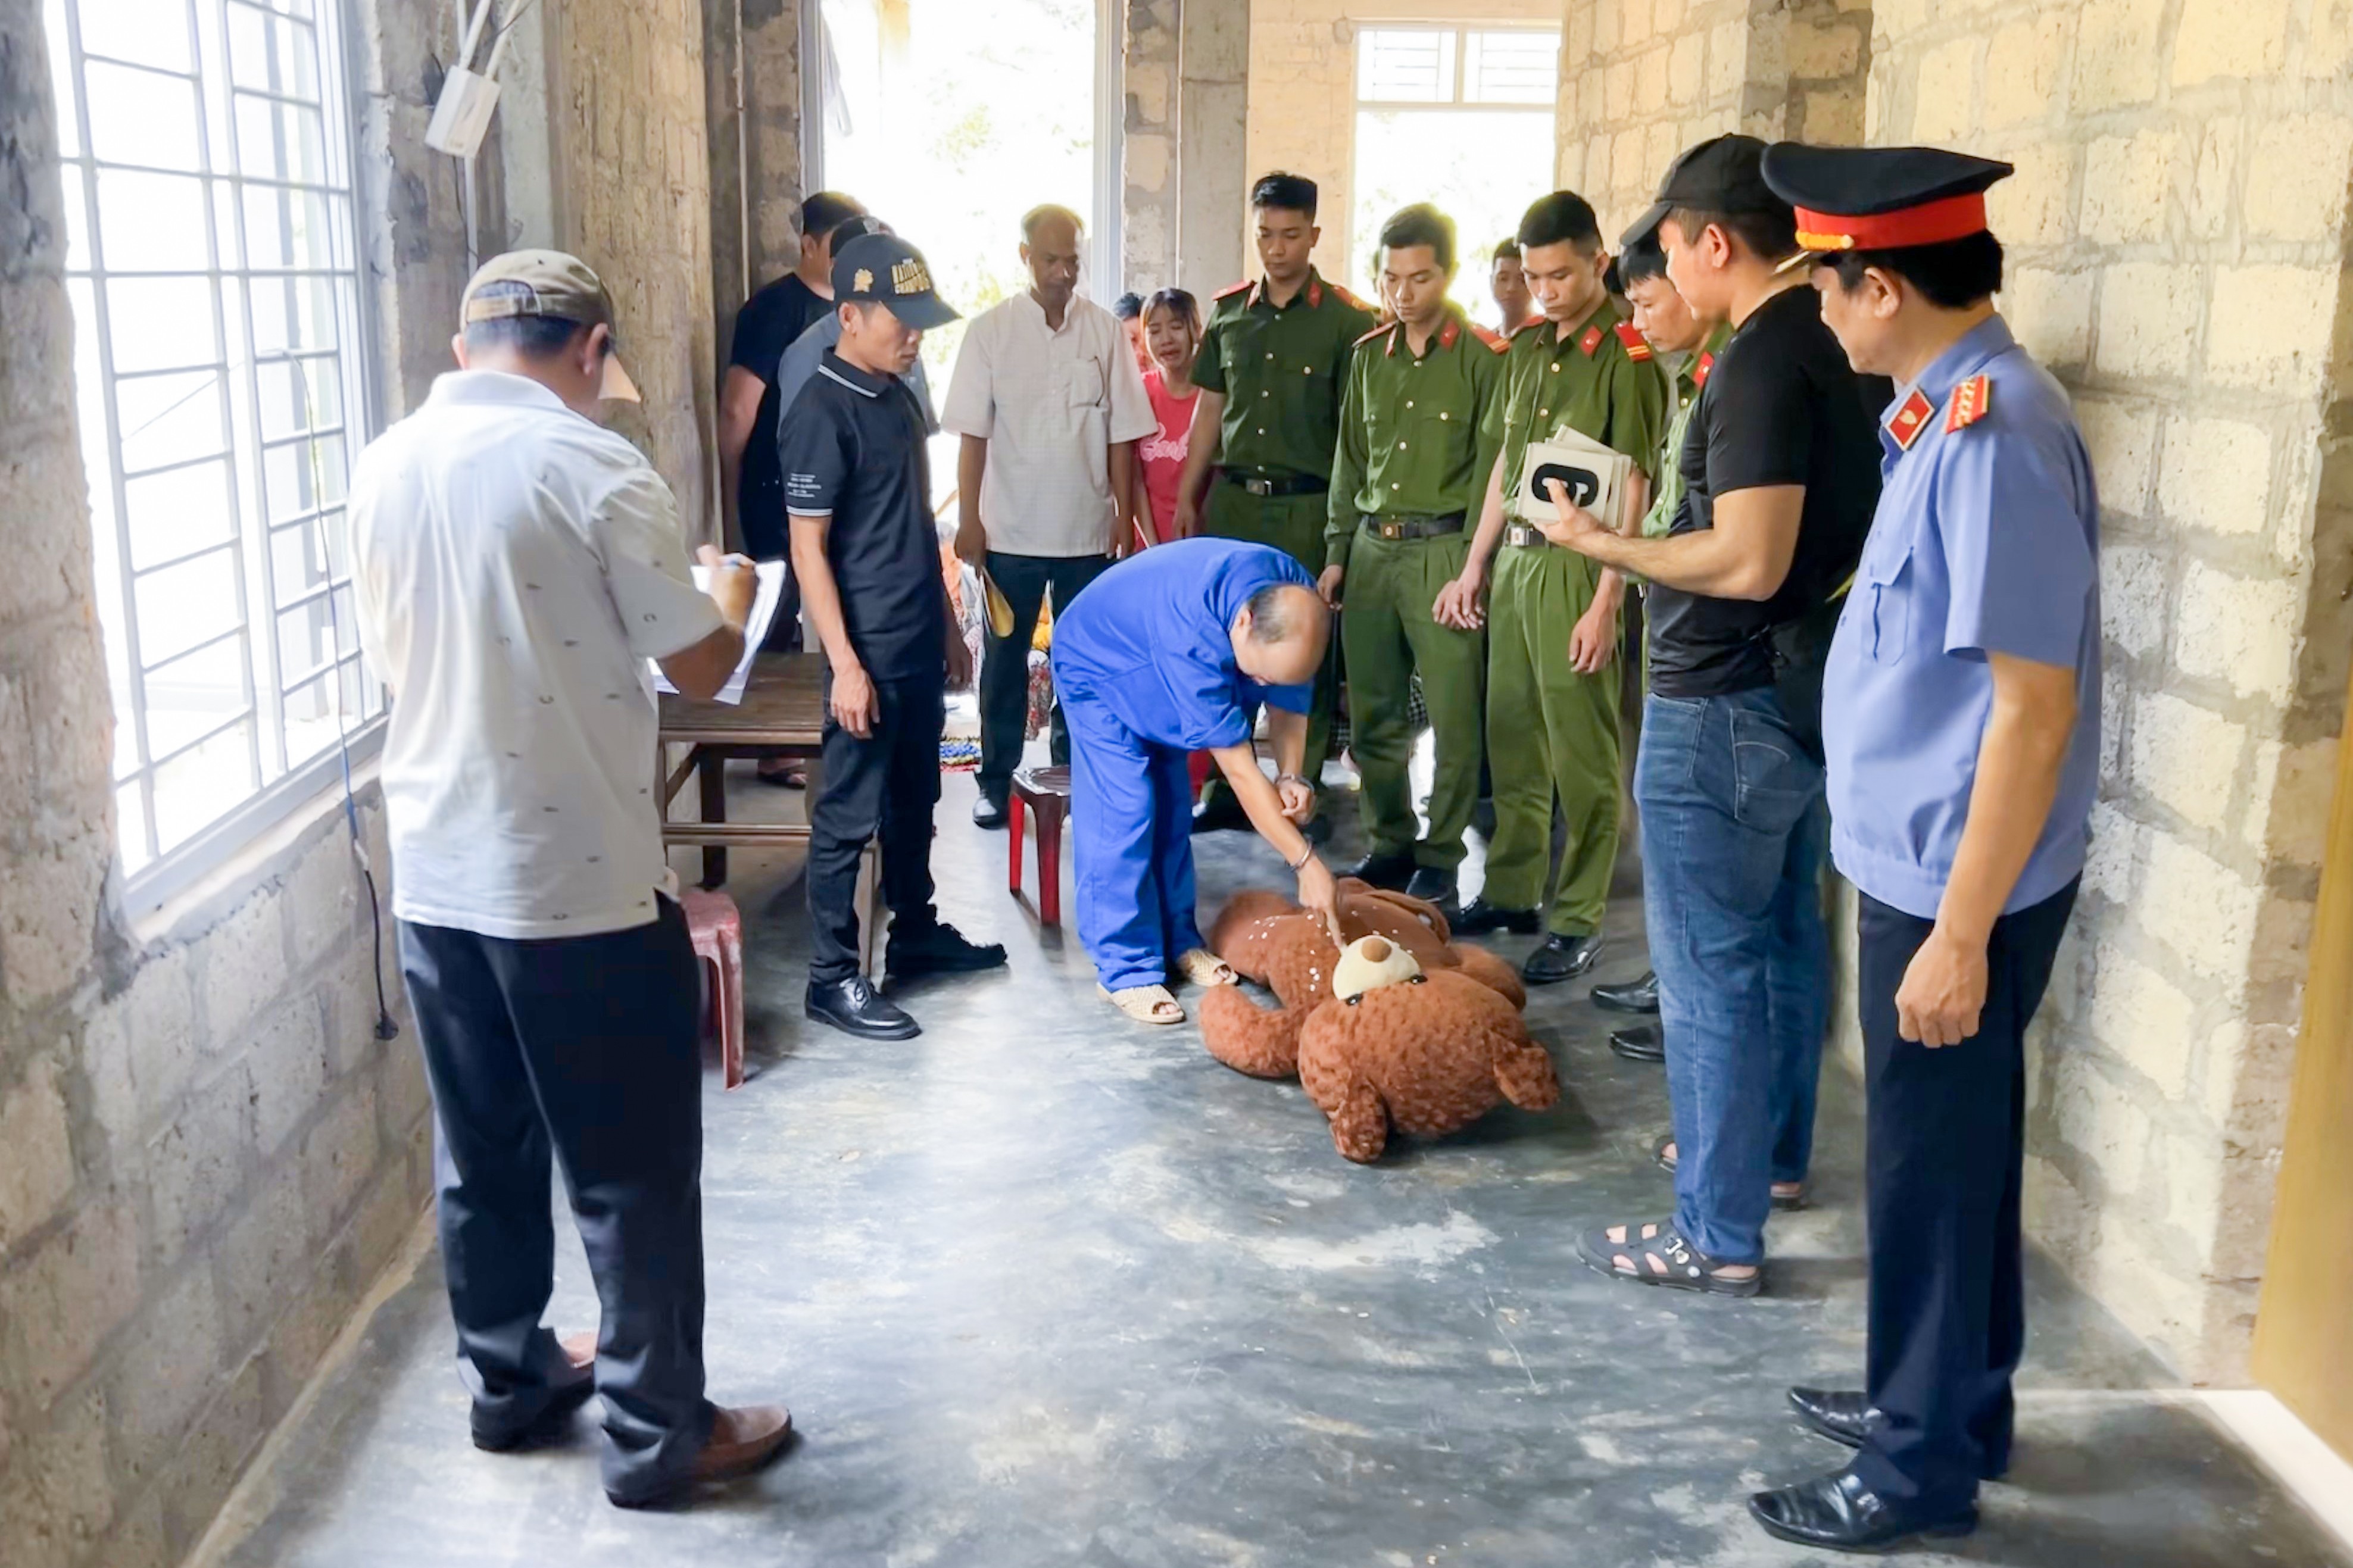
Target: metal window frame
pixel 1462 31
pixel 281 783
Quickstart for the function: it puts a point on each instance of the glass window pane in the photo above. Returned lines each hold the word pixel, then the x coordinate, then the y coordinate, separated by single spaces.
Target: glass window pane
pixel 191 696
pixel 130 826
pixel 300 562
pixel 1511 68
pixel 1404 65
pixel 303 476
pixel 299 395
pixel 152 222
pixel 61 82
pixel 197 789
pixel 272 54
pixel 1486 161
pixel 168 418
pixel 151 32
pixel 138 117
pixel 291 314
pixel 159 323
pixel 279 140
pixel 287 228
pixel 306 639
pixel 77 222
pixel 173 513
pixel 182 605
pixel 319 711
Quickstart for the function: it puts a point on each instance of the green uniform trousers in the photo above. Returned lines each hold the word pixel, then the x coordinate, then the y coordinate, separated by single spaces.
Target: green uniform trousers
pixel 1552 735
pixel 1387 634
pixel 1295 525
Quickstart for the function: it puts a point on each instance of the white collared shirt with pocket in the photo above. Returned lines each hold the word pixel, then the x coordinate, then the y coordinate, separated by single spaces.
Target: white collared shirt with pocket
pixel 1050 405
pixel 516 565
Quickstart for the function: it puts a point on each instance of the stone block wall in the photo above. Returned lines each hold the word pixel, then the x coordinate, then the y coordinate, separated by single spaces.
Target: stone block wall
pixel 1184 183
pixel 1149 150
pixel 2176 233
pixel 206 1155
pixel 1643 79
pixel 630 151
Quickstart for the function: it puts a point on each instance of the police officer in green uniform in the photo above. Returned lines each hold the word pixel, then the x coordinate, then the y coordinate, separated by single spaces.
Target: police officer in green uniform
pixel 1552 617
pixel 1271 363
pixel 1665 320
pixel 1404 481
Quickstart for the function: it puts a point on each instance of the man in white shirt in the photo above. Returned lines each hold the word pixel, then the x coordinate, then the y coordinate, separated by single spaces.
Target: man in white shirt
pixel 1050 404
pixel 516 567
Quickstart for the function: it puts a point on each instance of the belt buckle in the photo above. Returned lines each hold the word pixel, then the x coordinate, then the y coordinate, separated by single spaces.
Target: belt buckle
pixel 1524 534
pixel 1259 487
pixel 1389 528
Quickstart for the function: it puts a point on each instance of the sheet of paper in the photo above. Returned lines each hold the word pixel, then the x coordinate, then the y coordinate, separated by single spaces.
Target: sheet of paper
pixel 765 601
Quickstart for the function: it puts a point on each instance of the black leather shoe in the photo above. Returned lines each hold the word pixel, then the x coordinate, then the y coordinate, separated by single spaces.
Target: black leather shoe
pixel 1641 1043
pixel 938 948
pixel 1840 1512
pixel 1482 917
pixel 1841 1416
pixel 1561 958
pixel 1381 870
pixel 987 811
pixel 852 1006
pixel 1218 814
pixel 1640 997
pixel 1431 885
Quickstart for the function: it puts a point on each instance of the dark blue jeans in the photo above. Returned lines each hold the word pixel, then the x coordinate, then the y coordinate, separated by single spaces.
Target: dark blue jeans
pixel 1734 833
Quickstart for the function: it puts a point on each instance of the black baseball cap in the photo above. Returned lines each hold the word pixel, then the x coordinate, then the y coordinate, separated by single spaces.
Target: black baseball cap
pixel 883 269
pixel 1722 174
pixel 854 227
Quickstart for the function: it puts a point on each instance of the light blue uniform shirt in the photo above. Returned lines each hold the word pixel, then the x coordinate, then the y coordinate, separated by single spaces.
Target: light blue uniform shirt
pixel 800 362
pixel 1152 639
pixel 1987 540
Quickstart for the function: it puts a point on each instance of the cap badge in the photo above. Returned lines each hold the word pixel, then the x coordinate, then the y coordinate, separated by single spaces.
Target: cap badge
pixel 910 277
pixel 1911 419
pixel 862 282
pixel 1970 401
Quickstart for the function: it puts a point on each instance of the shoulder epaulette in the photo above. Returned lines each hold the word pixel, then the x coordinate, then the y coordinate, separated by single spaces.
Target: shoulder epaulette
pixel 1638 347
pixel 1970 401
pixel 1231 289
pixel 1376 332
pixel 1348 299
pixel 1495 341
pixel 1527 326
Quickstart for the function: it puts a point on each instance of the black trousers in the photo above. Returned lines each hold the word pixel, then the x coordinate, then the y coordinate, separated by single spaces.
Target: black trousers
pixel 585 1048
pixel 1946 1144
pixel 1005 662
pixel 887 783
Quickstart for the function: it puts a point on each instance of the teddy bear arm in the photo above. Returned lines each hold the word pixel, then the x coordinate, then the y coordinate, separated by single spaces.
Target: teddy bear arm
pixel 1492 972
pixel 1360 1125
pixel 1524 1073
pixel 1247 1037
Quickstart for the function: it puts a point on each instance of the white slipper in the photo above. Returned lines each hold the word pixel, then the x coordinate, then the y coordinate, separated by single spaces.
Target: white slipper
pixel 1202 967
pixel 1145 1004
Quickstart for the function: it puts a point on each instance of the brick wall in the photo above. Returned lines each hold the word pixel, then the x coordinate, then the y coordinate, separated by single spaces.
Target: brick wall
pixel 630 149
pixel 2177 231
pixel 205 1156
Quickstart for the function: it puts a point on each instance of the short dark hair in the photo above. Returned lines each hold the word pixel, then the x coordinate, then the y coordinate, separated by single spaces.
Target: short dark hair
pixel 1769 236
pixel 1421 223
pixel 823 211
pixel 1271 617
pixel 1287 191
pixel 1128 306
pixel 1187 308
pixel 1050 212
pixel 1953 274
pixel 1643 259
pixel 1505 250
pixel 1563 218
pixel 534 337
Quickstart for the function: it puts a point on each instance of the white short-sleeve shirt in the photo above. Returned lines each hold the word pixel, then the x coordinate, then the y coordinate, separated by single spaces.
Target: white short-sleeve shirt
pixel 517 564
pixel 1049 404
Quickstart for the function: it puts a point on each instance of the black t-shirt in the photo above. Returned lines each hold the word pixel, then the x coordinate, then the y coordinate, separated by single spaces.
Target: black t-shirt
pixel 854 447
pixel 1781 407
pixel 765 329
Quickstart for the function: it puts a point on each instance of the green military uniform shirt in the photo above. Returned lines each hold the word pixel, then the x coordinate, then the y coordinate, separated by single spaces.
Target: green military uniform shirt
pixel 1599 380
pixel 1660 520
pixel 1410 427
pixel 1281 371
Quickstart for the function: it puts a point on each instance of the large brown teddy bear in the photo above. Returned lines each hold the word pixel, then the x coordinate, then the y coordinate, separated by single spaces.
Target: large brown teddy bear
pixel 1269 938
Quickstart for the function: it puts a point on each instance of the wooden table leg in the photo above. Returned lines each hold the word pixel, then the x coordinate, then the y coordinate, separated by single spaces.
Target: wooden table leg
pixel 711 774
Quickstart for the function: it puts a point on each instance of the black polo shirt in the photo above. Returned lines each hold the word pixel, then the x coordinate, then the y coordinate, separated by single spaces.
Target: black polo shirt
pixel 766 326
pixel 854 447
pixel 1781 407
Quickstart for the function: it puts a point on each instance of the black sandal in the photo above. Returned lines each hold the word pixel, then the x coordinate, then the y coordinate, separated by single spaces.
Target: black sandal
pixel 1686 1268
pixel 1787 1202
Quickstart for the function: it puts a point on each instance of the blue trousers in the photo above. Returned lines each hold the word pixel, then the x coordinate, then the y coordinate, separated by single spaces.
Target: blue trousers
pixel 1132 843
pixel 1734 832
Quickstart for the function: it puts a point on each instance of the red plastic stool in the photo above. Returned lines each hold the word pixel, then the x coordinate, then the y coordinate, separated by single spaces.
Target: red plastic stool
pixel 1196 767
pixel 1046 792
pixel 718 929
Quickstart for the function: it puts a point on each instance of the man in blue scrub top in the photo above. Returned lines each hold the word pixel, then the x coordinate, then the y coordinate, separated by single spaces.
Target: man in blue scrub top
pixel 1169 653
pixel 1961 725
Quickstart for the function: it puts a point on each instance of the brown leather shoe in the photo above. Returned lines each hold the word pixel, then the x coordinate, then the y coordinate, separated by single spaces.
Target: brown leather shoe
pixel 742 1440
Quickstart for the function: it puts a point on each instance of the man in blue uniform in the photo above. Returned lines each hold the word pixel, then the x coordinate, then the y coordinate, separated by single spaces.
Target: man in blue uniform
pixel 1170 652
pixel 1961 732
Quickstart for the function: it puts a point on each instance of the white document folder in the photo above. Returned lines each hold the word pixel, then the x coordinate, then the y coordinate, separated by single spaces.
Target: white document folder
pixel 755 630
pixel 1595 475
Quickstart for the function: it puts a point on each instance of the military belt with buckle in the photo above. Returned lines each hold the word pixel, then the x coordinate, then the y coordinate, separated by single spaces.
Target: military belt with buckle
pixel 1411 525
pixel 1265 485
pixel 1524 534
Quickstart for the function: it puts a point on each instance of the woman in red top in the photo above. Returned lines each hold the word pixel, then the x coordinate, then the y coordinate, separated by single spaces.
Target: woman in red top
pixel 1172 331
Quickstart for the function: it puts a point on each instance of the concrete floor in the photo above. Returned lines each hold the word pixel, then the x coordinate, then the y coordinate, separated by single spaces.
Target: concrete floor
pixel 1042 1286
